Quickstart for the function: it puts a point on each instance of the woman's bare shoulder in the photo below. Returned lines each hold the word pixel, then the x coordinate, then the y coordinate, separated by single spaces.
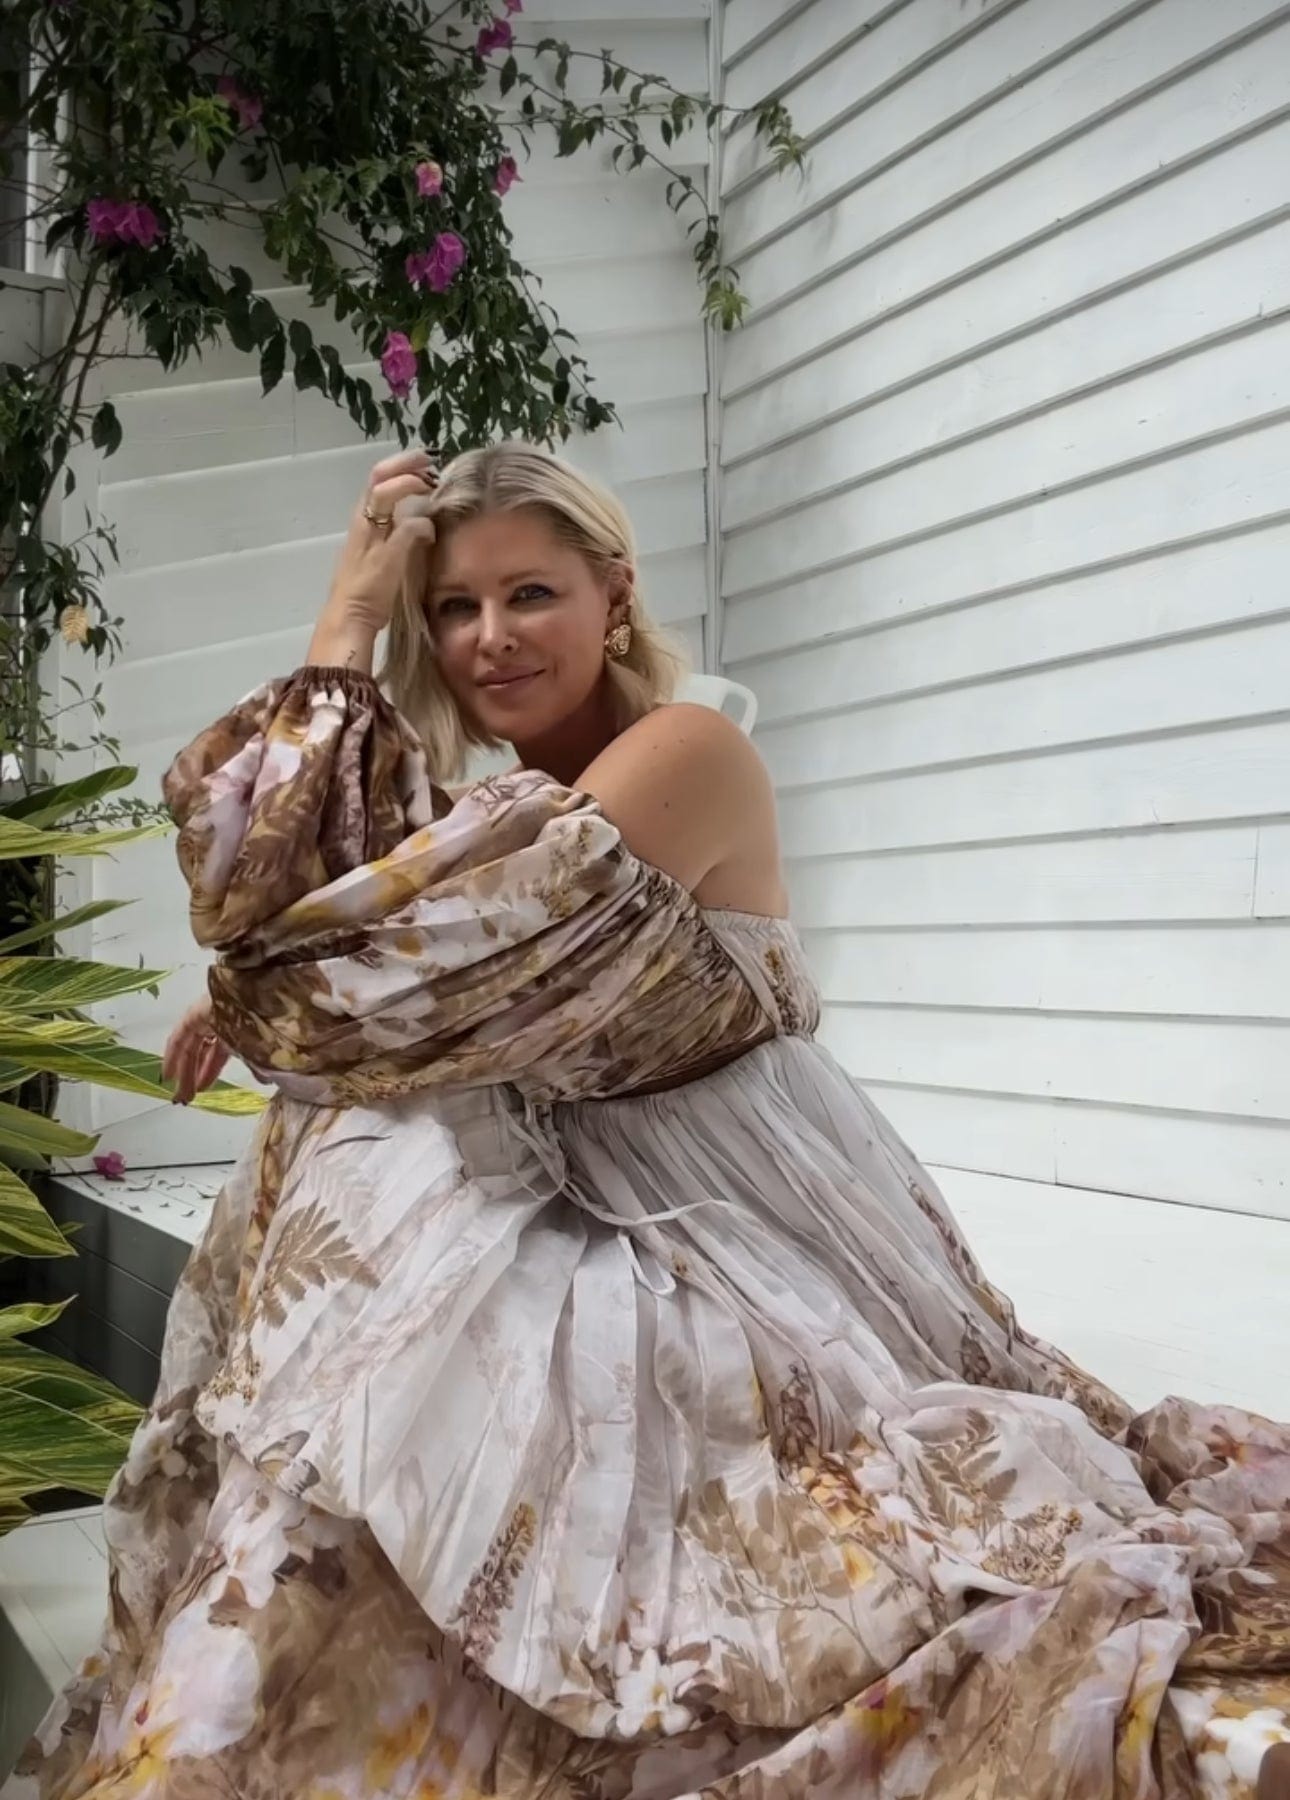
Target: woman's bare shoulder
pixel 688 790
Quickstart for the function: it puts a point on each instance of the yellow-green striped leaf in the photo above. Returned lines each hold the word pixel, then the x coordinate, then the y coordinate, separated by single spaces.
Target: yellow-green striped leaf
pixel 26 1229
pixel 29 1315
pixel 29 1134
pixel 60 1426
pixel 61 984
pixel 18 839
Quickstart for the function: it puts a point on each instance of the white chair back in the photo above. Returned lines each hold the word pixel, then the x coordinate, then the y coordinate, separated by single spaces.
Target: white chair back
pixel 728 697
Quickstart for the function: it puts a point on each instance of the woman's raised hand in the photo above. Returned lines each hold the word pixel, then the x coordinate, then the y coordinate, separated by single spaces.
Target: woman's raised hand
pixel 388 532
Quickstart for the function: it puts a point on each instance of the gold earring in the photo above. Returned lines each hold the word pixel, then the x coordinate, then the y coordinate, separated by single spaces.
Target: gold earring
pixel 618 642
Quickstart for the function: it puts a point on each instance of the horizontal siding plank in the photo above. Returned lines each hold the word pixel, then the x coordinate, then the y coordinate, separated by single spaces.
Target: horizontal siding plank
pixel 849 338
pixel 908 88
pixel 1049 150
pixel 1189 778
pixel 1272 885
pixel 1161 687
pixel 1199 494
pixel 1233 580
pixel 745 22
pixel 1167 875
pixel 1210 1066
pixel 181 518
pixel 1231 291
pixel 784 61
pixel 1241 1166
pixel 1220 390
pixel 1216 971
pixel 209 424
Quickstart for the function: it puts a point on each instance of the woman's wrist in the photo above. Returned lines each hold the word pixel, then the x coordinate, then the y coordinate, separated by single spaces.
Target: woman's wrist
pixel 343 639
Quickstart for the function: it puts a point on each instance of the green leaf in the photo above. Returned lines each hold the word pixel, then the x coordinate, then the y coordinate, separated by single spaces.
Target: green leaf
pixel 46 805
pixel 105 433
pixel 29 1315
pixel 26 1229
pixel 51 984
pixel 18 839
pixel 273 360
pixel 81 915
pixel 31 1135
pixel 60 1426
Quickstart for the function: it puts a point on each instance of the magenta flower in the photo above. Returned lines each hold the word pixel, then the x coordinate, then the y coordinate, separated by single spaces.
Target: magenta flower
pixel 399 363
pixel 123 222
pixel 514 6
pixel 429 180
pixel 437 266
pixel 103 216
pixel 496 35
pixel 138 224
pixel 248 107
pixel 111 1164
pixel 507 175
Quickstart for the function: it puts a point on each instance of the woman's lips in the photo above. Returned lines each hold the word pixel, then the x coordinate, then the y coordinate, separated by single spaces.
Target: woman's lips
pixel 502 684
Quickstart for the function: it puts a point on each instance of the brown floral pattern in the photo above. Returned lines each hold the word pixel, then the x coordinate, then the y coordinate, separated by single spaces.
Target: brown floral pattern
pixel 581 1392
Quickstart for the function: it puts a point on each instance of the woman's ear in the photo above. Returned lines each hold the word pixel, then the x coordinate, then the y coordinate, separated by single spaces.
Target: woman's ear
pixel 621 588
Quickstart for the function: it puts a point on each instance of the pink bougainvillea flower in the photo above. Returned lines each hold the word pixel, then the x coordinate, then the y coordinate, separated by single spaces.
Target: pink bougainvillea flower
pixel 508 173
pixel 248 107
pixel 103 217
pixel 399 363
pixel 123 222
pixel 496 35
pixel 138 224
pixel 514 6
pixel 429 180
pixel 111 1164
pixel 437 266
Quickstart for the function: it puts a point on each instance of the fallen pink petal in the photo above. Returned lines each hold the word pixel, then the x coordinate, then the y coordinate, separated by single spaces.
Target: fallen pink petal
pixel 429 180
pixel 507 175
pixel 111 1165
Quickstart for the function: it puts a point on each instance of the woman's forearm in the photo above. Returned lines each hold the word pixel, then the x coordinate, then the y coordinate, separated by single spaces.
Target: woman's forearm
pixel 343 640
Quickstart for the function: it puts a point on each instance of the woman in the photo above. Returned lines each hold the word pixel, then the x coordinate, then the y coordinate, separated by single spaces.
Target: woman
pixel 580 1391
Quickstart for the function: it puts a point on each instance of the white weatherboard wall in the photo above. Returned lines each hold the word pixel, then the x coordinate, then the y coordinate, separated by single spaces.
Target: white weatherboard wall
pixel 230 507
pixel 1006 519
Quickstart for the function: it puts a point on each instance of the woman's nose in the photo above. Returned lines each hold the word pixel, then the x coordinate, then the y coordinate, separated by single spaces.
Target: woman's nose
pixel 494 626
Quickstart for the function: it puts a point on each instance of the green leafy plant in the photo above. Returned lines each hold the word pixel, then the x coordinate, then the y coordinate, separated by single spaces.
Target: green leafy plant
pixel 60 1426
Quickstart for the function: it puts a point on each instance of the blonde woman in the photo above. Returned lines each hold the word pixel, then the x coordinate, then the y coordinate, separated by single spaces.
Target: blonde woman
pixel 581 1392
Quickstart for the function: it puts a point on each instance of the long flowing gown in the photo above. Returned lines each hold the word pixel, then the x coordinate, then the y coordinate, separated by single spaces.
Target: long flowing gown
pixel 581 1392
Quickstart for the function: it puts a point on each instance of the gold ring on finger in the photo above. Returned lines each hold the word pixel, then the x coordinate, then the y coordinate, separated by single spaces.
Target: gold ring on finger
pixel 382 521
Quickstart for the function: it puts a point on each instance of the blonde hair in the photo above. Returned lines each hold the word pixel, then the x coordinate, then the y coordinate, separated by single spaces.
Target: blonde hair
pixel 586 517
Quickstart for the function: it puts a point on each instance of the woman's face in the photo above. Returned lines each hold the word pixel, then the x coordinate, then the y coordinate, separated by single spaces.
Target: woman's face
pixel 518 621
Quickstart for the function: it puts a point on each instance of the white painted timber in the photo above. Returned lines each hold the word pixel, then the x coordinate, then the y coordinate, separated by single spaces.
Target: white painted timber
pixel 1004 525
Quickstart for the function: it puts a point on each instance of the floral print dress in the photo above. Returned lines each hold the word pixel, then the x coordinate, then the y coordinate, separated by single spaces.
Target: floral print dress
pixel 582 1394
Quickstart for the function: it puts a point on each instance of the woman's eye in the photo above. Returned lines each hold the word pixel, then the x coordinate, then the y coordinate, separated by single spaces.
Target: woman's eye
pixel 533 590
pixel 457 606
